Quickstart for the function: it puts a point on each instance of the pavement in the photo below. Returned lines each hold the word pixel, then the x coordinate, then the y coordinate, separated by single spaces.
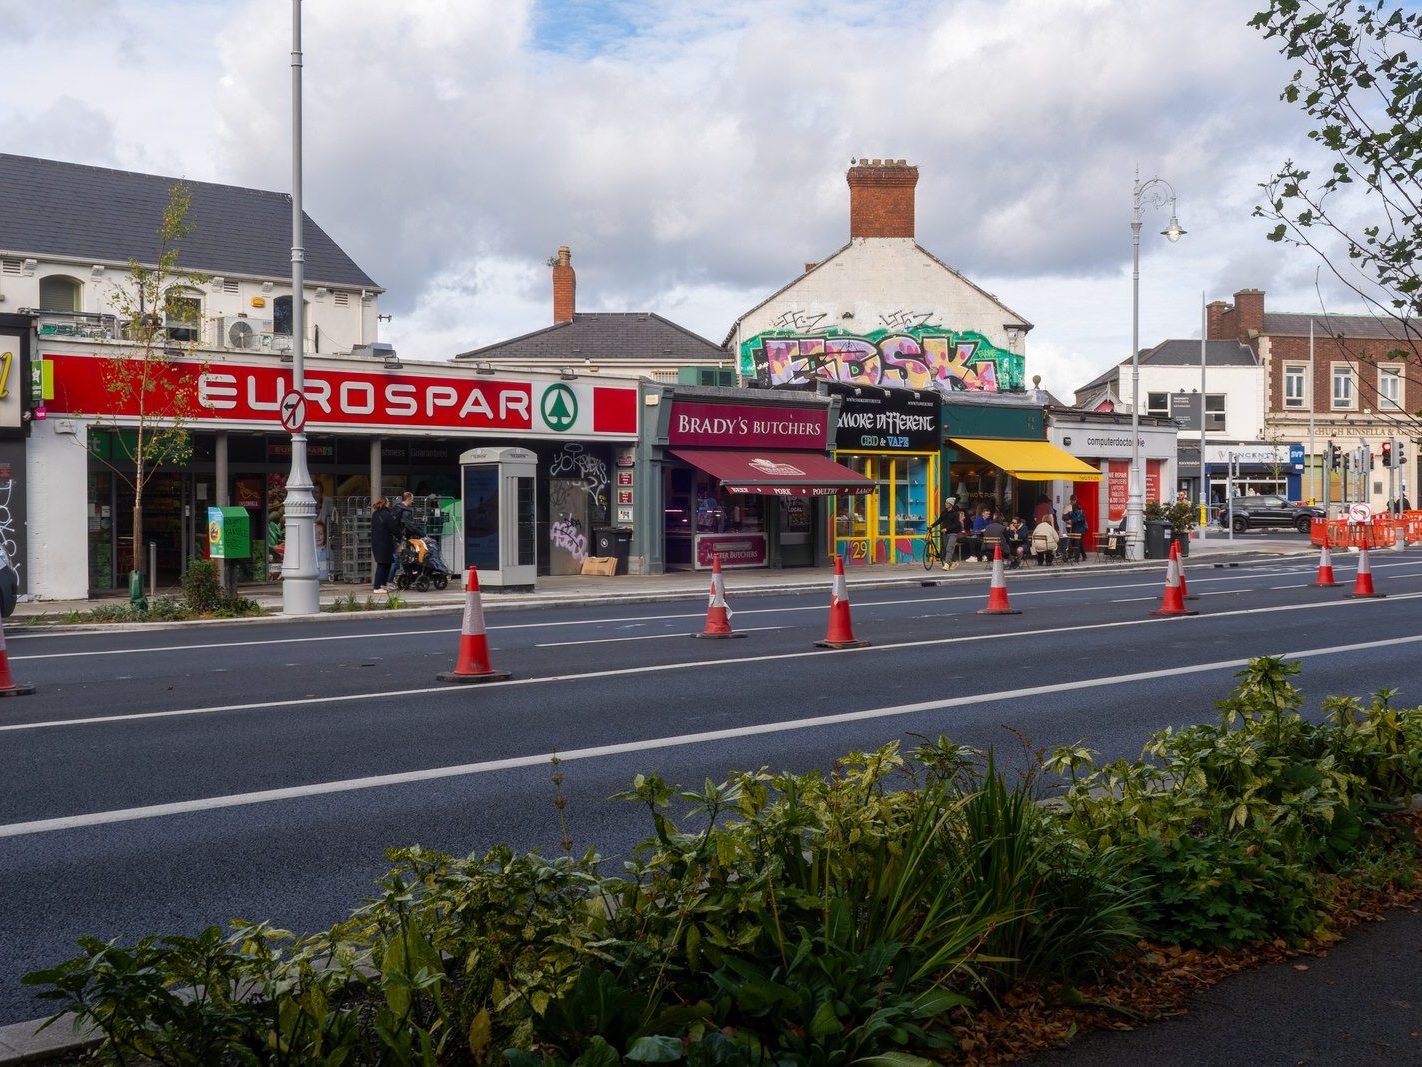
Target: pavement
pixel 163 780
pixel 652 588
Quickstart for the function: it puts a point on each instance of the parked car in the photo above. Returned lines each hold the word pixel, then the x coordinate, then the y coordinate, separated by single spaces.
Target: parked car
pixel 1261 512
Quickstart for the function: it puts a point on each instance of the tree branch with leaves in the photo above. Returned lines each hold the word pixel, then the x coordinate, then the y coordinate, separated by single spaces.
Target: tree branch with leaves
pixel 151 384
pixel 1362 216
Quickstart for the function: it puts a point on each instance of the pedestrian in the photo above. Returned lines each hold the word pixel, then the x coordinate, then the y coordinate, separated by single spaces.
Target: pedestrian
pixel 1406 504
pixel 384 535
pixel 1075 522
pixel 1043 508
pixel 950 526
pixel 1044 541
pixel 980 522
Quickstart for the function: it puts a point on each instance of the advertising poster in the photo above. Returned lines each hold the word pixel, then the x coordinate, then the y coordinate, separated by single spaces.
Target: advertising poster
pixel 1118 480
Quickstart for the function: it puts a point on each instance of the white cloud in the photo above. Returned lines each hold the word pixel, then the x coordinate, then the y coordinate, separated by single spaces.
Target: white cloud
pixel 693 155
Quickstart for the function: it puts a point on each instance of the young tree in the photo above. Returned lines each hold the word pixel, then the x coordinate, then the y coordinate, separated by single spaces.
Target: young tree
pixel 152 382
pixel 1363 216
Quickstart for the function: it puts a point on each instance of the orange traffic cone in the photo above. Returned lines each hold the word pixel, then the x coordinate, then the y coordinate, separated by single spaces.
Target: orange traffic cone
pixel 1325 567
pixel 841 629
pixel 1363 583
pixel 8 687
pixel 1185 593
pixel 473 665
pixel 718 612
pixel 1173 603
pixel 997 595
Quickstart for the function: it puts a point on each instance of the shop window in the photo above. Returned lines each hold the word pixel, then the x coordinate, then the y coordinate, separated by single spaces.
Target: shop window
pixel 61 293
pixel 1158 404
pixel 281 316
pixel 1294 387
pixel 1215 412
pixel 182 315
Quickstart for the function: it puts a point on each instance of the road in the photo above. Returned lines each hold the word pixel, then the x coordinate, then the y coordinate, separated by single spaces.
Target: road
pixel 164 780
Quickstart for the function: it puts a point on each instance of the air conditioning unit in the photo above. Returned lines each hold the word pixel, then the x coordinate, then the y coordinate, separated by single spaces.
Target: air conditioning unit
pixel 242 334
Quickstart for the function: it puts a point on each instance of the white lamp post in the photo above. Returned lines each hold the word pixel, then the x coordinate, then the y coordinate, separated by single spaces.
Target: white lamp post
pixel 1157 192
pixel 300 586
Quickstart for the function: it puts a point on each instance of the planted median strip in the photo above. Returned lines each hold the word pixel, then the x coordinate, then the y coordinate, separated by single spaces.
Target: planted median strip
pixel 901 906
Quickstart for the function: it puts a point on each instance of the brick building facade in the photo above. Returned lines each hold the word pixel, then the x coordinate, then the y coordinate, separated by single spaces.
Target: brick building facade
pixel 1365 380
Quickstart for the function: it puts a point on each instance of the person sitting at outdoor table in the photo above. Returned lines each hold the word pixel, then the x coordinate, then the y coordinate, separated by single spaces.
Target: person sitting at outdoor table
pixel 1044 542
pixel 1016 545
pixel 994 536
pixel 980 522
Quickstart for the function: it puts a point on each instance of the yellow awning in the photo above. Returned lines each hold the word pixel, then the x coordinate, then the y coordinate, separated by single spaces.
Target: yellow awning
pixel 1032 461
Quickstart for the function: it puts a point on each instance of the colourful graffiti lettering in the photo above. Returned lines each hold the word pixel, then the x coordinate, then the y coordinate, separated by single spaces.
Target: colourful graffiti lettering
pixel 921 357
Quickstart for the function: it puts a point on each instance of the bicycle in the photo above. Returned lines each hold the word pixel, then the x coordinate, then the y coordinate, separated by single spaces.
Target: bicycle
pixel 932 553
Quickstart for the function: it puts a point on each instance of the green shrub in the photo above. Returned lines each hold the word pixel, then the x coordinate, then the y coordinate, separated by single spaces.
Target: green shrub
pixel 202 587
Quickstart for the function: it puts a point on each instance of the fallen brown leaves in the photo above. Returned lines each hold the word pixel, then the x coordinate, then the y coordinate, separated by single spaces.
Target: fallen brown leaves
pixel 1153 985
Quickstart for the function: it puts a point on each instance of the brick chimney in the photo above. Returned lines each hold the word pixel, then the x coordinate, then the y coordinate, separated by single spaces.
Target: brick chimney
pixel 1249 314
pixel 565 286
pixel 1219 321
pixel 881 198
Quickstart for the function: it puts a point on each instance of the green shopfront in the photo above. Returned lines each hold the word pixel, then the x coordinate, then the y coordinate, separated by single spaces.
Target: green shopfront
pixel 973 479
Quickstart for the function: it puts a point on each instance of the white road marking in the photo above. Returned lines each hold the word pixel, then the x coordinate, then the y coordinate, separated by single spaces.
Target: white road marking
pixel 645 637
pixel 464 770
pixel 656 668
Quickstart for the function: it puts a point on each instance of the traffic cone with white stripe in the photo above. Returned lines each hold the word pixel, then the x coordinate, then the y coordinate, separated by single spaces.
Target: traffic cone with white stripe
pixel 1173 602
pixel 8 686
pixel 473 665
pixel 1325 567
pixel 1185 593
pixel 841 629
pixel 718 612
pixel 997 594
pixel 1363 583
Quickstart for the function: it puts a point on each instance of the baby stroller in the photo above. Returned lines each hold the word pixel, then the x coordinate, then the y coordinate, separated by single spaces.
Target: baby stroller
pixel 421 565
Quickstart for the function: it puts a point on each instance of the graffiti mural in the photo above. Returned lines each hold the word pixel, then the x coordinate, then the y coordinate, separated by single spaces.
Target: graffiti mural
pixel 7 526
pixel 591 473
pixel 567 533
pixel 918 357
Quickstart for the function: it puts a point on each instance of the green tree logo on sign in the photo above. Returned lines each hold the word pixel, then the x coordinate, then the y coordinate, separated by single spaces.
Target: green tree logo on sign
pixel 559 407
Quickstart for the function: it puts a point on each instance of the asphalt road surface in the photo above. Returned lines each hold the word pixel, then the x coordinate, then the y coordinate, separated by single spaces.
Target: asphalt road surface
pixel 160 781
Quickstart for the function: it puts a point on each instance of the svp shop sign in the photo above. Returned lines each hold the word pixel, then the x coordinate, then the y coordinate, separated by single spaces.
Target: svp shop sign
pixel 237 393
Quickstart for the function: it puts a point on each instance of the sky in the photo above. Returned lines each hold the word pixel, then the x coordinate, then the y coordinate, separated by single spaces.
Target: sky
pixel 693 155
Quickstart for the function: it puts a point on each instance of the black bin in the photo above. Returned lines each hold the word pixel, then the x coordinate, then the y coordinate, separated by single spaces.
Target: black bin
pixel 615 541
pixel 1157 539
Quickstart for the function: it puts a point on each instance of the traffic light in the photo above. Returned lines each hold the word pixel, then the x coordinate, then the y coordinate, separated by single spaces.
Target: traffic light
pixel 1333 456
pixel 1387 453
pixel 1400 459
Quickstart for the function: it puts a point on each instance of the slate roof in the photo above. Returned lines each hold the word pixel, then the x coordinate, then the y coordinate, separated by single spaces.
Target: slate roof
pixel 1182 353
pixel 1289 324
pixel 49 208
pixel 604 336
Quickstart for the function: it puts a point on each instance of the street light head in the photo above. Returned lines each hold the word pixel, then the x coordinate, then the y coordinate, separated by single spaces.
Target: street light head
pixel 1173 230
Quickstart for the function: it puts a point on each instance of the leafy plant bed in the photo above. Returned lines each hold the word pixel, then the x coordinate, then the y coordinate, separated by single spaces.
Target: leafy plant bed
pixel 160 609
pixel 350 602
pixel 895 909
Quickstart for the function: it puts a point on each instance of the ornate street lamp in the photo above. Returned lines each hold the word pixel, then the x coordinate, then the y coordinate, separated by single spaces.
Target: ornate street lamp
pixel 1157 192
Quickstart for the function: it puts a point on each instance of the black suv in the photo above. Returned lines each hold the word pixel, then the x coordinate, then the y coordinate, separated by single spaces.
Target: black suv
pixel 1257 512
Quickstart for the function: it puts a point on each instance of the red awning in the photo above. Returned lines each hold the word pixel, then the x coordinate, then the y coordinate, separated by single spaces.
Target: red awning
pixel 777 473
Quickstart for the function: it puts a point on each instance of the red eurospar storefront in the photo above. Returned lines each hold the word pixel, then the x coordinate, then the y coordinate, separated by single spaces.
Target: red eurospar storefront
pixel 372 431
pixel 739 480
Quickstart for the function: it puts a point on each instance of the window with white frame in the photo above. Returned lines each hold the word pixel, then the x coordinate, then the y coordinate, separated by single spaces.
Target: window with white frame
pixel 1158 404
pixel 58 292
pixel 1295 386
pixel 1390 388
pixel 182 315
pixel 1214 411
pixel 1343 396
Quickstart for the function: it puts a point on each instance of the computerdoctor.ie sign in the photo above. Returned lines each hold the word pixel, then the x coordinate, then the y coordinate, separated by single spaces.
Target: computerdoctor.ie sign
pixel 340 398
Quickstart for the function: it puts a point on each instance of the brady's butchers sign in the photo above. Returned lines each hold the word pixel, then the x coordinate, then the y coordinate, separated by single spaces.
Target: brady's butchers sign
pixel 238 393
pixel 894 420
pixel 746 426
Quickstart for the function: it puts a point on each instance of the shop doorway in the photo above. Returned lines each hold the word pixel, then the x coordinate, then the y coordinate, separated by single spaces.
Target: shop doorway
pixel 168 507
pixel 1088 495
pixel 887 525
pixel 569 525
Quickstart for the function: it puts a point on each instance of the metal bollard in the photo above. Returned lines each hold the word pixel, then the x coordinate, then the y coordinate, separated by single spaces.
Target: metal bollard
pixel 153 568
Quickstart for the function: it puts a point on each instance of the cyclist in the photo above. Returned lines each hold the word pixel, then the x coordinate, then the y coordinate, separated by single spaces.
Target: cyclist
pixel 950 525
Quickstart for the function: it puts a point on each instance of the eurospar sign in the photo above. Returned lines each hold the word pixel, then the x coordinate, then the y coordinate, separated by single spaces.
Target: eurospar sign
pixel 229 393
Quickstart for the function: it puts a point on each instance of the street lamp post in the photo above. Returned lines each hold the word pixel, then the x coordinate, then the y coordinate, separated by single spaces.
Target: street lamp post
pixel 1157 192
pixel 300 586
